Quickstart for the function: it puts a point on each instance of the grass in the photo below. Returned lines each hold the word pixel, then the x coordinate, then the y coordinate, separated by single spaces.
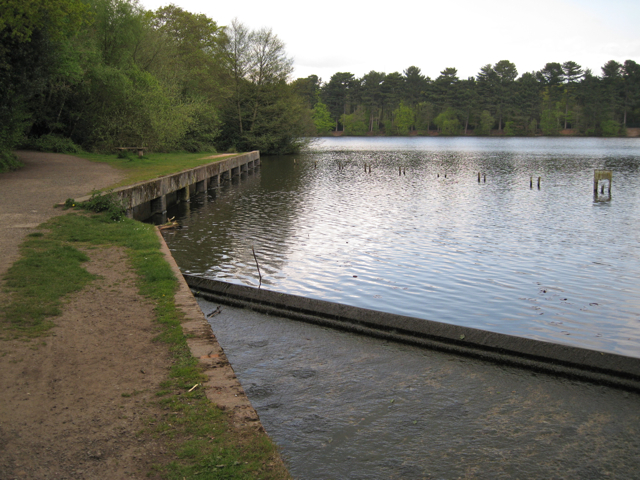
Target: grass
pixel 152 165
pixel 200 437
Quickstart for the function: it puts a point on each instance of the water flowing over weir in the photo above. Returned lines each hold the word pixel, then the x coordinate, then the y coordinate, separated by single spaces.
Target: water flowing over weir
pixel 558 263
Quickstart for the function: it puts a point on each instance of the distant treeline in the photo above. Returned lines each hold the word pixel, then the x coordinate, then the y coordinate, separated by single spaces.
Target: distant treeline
pixel 99 74
pixel 556 98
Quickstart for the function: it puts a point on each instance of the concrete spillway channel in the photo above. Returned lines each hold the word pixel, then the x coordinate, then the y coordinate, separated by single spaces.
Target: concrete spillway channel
pixel 354 393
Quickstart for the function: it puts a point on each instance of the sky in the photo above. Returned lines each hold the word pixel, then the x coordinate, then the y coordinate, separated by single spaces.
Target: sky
pixel 357 36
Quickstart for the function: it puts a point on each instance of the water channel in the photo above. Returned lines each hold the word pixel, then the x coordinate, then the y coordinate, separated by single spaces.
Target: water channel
pixel 416 233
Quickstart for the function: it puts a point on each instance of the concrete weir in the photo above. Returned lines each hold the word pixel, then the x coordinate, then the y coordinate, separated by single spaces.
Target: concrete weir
pixel 145 199
pixel 569 361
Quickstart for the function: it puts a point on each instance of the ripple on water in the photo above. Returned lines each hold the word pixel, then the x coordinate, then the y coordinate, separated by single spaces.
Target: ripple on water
pixel 549 263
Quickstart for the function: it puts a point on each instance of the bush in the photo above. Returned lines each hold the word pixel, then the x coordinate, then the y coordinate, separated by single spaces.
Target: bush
pixel 54 143
pixel 610 128
pixel 9 162
pixel 109 203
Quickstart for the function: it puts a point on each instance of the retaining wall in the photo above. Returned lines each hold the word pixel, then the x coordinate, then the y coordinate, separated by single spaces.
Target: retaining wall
pixel 145 199
pixel 599 367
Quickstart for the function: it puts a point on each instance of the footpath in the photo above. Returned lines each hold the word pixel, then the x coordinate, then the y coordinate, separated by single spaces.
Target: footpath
pixel 75 403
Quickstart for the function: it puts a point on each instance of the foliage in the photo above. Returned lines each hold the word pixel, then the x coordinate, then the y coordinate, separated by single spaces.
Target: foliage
pixel 322 118
pixel 54 143
pixel 355 123
pixel 403 118
pixel 104 202
pixel 610 128
pixel 485 124
pixel 9 162
pixel 448 123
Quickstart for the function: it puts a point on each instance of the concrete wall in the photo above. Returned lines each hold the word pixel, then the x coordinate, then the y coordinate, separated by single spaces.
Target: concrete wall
pixel 145 199
pixel 565 360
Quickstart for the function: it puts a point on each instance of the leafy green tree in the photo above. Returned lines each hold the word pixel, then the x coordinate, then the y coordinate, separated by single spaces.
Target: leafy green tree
pixel 403 118
pixel 322 118
pixel 485 124
pixel 308 89
pixel 448 122
pixel 355 123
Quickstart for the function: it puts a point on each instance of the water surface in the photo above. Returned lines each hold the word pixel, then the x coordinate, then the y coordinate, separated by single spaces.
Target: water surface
pixel 553 263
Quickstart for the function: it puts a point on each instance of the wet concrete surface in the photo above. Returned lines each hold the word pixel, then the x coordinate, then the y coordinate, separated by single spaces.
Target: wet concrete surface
pixel 341 405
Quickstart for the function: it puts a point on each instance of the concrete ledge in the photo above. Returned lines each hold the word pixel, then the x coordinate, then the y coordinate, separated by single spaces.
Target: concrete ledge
pixel 144 199
pixel 600 367
pixel 222 386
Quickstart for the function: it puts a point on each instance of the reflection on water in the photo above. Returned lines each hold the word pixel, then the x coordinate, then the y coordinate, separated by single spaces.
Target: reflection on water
pixel 556 263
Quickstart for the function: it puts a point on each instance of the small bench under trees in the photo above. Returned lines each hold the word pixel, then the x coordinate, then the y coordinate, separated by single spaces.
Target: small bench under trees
pixel 140 150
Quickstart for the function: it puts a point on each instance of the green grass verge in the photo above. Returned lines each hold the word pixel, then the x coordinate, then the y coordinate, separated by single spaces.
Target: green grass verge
pixel 152 165
pixel 203 442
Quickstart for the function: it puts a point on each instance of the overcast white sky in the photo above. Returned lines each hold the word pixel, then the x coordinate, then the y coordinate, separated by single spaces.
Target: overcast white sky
pixel 357 36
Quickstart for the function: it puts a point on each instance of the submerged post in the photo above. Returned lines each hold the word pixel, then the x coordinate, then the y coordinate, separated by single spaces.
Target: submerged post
pixel 539 183
pixel 601 175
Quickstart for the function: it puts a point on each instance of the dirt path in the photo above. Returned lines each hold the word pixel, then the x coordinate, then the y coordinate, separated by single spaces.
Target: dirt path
pixel 27 195
pixel 71 403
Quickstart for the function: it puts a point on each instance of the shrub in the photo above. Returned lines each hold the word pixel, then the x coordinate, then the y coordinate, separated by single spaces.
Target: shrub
pixel 9 162
pixel 108 202
pixel 55 143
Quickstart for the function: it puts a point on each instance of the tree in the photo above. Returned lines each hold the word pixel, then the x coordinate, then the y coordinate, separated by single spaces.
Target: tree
pixel 631 88
pixel 322 118
pixel 485 123
pixel 415 86
pixel 373 97
pixel 448 122
pixel 572 73
pixel 403 118
pixel 338 93
pixel 308 89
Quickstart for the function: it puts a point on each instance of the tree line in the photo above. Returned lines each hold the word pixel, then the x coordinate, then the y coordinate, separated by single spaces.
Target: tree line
pixel 100 74
pixel 558 97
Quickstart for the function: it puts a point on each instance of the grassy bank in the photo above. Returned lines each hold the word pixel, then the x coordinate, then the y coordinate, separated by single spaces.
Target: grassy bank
pixel 201 441
pixel 153 165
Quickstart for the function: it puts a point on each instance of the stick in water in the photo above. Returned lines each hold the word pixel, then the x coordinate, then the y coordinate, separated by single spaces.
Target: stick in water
pixel 256 259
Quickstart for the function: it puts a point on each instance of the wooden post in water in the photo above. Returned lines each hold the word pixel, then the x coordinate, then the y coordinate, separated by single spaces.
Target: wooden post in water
pixel 399 170
pixel 539 183
pixel 404 171
pixel 601 175
pixel 369 168
pixel 478 177
pixel 485 178
pixel 530 182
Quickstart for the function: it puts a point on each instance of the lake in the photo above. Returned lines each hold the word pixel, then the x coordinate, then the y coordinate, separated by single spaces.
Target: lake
pixel 415 233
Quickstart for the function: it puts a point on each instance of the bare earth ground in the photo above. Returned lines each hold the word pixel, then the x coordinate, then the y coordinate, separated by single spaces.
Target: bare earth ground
pixel 73 404
pixel 62 413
